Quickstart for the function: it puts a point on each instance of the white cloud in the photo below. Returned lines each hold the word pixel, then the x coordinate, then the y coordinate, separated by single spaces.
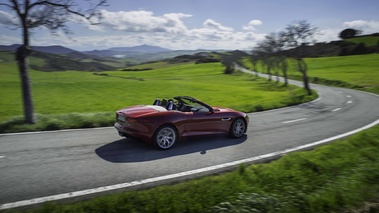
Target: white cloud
pixel 327 34
pixel 142 21
pixel 330 34
pixel 210 24
pixel 367 27
pixel 167 30
pixel 7 40
pixel 252 24
pixel 7 19
pixel 131 28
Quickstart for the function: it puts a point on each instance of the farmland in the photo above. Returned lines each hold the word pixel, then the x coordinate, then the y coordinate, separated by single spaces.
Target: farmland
pixel 58 93
pixel 344 181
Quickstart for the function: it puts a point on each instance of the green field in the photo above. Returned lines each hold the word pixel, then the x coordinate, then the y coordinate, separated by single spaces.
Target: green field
pixel 87 92
pixel 358 72
pixel 367 40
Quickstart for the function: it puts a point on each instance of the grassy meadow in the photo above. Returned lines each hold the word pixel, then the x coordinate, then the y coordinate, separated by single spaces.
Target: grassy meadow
pixel 73 93
pixel 367 40
pixel 359 71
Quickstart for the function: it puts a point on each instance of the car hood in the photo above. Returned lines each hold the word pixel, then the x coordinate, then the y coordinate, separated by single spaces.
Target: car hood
pixel 141 110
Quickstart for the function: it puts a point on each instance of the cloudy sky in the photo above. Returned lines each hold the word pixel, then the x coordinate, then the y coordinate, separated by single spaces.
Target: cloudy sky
pixel 200 24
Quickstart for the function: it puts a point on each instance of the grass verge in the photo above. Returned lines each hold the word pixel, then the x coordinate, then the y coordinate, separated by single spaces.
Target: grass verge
pixel 59 121
pixel 332 178
pixel 357 72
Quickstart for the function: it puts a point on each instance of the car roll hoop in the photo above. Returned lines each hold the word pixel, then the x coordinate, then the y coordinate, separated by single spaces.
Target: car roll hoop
pixel 157 102
pixel 171 105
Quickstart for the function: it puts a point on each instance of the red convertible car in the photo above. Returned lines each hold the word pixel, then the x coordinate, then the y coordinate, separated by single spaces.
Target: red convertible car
pixel 166 121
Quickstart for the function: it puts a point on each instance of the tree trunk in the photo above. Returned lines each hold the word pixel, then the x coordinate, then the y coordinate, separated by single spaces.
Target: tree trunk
pixel 277 76
pixel 269 73
pixel 23 66
pixel 303 69
pixel 285 77
pixel 306 83
pixel 255 69
pixel 22 54
pixel 284 70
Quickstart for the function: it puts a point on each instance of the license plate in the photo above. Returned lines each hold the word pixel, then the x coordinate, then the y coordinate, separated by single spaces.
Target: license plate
pixel 117 125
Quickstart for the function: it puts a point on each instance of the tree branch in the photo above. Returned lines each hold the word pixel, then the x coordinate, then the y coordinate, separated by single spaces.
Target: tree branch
pixel 67 7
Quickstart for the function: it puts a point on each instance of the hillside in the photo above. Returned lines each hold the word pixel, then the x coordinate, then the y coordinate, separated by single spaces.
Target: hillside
pixel 365 44
pixel 58 58
pixel 368 40
pixel 54 49
pixel 61 63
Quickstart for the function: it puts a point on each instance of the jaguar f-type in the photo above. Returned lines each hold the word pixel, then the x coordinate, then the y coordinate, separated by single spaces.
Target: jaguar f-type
pixel 167 121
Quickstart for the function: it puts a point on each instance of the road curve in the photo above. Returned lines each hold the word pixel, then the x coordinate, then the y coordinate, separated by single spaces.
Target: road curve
pixel 35 165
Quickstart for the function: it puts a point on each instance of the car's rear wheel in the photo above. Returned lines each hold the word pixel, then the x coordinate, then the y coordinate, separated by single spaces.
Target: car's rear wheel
pixel 238 128
pixel 165 137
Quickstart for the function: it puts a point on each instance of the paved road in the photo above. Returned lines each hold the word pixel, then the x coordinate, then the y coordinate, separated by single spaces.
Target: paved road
pixel 35 165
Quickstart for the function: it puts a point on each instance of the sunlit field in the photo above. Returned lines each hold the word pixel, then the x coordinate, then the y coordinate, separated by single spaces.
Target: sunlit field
pixel 88 92
pixel 358 71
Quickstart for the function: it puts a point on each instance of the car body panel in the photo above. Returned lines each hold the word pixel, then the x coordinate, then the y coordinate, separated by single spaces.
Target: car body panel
pixel 190 117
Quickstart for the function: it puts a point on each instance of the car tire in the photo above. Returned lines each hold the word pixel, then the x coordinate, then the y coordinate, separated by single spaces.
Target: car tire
pixel 238 128
pixel 165 137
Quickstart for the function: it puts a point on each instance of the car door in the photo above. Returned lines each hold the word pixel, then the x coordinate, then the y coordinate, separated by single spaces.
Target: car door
pixel 206 123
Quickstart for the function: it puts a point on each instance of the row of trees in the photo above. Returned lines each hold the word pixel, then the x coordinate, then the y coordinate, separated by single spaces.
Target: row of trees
pixel 274 50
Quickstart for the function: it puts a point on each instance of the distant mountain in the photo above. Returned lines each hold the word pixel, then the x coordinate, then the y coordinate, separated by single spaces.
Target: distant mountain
pixel 55 49
pixel 117 56
pixel 9 47
pixel 142 48
pixel 128 51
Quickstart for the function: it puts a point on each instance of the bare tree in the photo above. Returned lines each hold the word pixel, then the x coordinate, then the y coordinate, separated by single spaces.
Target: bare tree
pixel 254 58
pixel 229 65
pixel 283 64
pixel 53 15
pixel 282 60
pixel 297 36
pixel 264 51
pixel 269 51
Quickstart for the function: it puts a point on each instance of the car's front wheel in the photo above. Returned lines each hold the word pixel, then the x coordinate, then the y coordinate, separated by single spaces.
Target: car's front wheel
pixel 165 137
pixel 238 128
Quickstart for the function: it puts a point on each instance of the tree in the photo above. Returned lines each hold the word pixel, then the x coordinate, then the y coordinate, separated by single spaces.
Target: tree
pixel 229 65
pixel 298 36
pixel 53 15
pixel 349 33
pixel 270 51
pixel 265 50
pixel 254 58
pixel 282 63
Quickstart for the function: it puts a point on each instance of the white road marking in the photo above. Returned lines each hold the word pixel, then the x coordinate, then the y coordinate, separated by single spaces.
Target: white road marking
pixel 348 96
pixel 335 110
pixel 2 156
pixel 349 102
pixel 292 121
pixel 181 174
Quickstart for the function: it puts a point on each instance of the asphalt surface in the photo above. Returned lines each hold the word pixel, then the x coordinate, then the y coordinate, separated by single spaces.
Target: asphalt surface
pixel 35 165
